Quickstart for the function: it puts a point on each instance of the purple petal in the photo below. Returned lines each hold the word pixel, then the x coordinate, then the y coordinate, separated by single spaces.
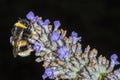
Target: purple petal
pixel 55 36
pixel 44 76
pixel 66 54
pixel 63 52
pixel 74 34
pixel 40 21
pixel 64 48
pixel 48 71
pixel 117 62
pixel 30 15
pixel 114 57
pixel 11 39
pixel 57 25
pixel 61 56
pixel 37 47
pixel 117 73
pixel 46 22
pixel 75 39
pixel 111 78
pixel 61 36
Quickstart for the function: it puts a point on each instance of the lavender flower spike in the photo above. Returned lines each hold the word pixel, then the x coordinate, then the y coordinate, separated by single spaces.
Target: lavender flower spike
pixel 63 56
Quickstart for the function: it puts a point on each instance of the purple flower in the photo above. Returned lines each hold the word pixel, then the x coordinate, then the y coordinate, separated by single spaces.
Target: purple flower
pixel 44 24
pixel 74 34
pixel 49 72
pixel 63 52
pixel 75 38
pixel 55 36
pixel 38 47
pixel 57 25
pixel 30 16
pixel 114 58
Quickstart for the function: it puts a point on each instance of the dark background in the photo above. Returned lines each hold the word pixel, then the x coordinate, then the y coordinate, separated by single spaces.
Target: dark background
pixel 98 22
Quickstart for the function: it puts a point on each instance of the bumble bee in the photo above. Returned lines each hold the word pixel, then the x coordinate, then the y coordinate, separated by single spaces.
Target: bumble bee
pixel 20 34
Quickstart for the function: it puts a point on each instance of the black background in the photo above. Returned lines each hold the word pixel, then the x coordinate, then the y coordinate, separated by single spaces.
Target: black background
pixel 98 22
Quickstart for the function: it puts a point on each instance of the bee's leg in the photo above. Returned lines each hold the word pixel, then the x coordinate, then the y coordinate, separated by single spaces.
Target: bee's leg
pixel 20 35
pixel 14 52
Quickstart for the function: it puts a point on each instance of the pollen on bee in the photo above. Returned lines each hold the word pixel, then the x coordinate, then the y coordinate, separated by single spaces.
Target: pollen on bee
pixel 18 24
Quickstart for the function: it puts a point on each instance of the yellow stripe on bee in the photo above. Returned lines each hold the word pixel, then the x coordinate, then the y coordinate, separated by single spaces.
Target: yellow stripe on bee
pixel 18 24
pixel 19 43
